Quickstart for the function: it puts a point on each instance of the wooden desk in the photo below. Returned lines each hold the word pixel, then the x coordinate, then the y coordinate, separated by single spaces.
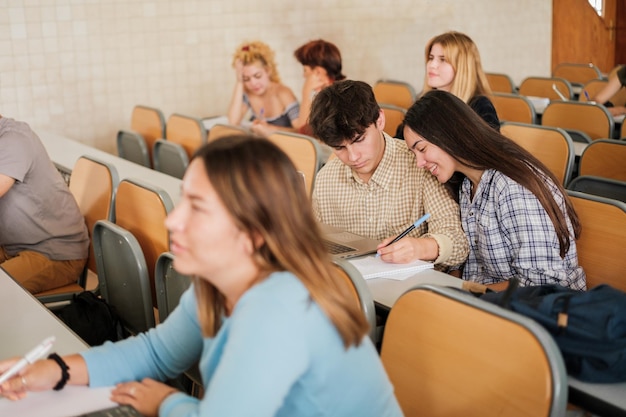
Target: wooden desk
pixel 601 399
pixel 64 152
pixel 25 322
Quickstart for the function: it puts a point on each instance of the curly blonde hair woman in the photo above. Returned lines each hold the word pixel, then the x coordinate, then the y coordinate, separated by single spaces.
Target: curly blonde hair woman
pixel 258 89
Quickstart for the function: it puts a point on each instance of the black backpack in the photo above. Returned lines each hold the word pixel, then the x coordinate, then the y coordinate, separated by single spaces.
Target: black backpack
pixel 91 318
pixel 588 326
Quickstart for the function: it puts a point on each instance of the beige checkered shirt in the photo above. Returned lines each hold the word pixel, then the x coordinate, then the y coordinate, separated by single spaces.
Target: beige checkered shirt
pixel 396 195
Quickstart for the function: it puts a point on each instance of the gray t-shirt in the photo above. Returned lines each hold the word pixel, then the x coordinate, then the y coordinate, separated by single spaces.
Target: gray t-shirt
pixel 38 212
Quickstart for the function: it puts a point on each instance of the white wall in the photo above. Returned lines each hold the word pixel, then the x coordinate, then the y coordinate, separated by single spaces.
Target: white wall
pixel 77 67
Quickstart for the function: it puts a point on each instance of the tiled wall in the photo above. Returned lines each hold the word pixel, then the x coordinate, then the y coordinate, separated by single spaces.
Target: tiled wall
pixel 77 67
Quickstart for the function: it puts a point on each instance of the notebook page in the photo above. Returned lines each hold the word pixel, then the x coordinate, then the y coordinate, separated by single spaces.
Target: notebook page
pixel 374 267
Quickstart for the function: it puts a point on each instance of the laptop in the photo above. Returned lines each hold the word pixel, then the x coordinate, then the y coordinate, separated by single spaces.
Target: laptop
pixel 118 411
pixel 343 244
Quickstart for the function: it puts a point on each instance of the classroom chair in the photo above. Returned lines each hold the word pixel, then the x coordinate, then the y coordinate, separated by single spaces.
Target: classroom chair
pixel 593 87
pixel 577 74
pixel 514 108
pixel 124 277
pixel 220 130
pixel 132 147
pixel 361 294
pixel 604 158
pixel 170 285
pixel 304 151
pixel 394 116
pixel 551 145
pixel 593 119
pixel 187 131
pixel 602 240
pixel 141 208
pixel 600 186
pixel 93 184
pixel 397 93
pixel 149 122
pixel 170 158
pixel 500 83
pixel 543 87
pixel 448 353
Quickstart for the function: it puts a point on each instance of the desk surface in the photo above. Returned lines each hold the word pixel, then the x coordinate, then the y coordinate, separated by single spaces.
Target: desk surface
pixel 25 322
pixel 65 152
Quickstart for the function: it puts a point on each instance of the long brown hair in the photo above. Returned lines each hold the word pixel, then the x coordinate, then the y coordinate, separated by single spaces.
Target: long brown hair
pixel 266 197
pixel 445 121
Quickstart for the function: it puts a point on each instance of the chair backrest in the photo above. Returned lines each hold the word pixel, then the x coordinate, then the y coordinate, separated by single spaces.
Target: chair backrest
pixel 500 83
pixel 170 285
pixel 132 147
pixel 170 158
pixel 398 93
pixel 438 350
pixel 593 87
pixel 577 73
pixel 514 108
pixel 220 130
pixel 188 131
pixel 593 119
pixel 542 87
pixel 93 184
pixel 550 145
pixel 123 276
pixel 600 186
pixel 361 293
pixel 304 151
pixel 602 239
pixel 604 158
pixel 142 208
pixel 394 116
pixel 149 122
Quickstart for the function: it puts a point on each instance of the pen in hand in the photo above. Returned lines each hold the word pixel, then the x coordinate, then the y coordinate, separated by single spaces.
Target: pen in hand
pixel 36 353
pixel 408 230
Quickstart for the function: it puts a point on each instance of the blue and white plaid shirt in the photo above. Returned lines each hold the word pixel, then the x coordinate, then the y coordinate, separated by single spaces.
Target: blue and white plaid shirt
pixel 511 235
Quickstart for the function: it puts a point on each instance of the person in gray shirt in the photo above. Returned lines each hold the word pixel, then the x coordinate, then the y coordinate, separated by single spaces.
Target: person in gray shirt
pixel 43 237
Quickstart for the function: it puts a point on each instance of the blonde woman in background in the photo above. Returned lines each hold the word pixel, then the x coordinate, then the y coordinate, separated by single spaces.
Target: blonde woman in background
pixel 258 89
pixel 453 65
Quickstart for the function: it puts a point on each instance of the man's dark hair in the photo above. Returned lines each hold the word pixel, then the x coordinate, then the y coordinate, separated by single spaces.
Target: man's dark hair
pixel 342 111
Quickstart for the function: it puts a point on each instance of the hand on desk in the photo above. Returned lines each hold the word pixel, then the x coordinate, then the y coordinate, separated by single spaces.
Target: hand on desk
pixel 408 249
pixel 145 396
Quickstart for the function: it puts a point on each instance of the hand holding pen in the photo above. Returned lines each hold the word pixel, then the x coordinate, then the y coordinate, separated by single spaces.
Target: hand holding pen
pixel 408 230
pixel 32 356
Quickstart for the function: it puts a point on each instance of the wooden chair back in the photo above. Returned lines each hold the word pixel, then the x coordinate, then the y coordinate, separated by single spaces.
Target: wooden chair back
pixel 514 108
pixel 604 158
pixel 542 87
pixel 577 73
pixel 438 350
pixel 397 93
pixel 220 130
pixel 142 208
pixel 602 240
pixel 593 119
pixel 149 122
pixel 93 184
pixel 551 145
pixel 187 131
pixel 304 151
pixel 361 293
pixel 500 83
pixel 394 116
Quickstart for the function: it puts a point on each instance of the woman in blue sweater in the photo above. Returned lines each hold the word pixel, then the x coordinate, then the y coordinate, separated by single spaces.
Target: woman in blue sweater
pixel 274 328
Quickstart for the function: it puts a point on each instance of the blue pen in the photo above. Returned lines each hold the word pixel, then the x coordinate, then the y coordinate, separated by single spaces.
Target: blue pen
pixel 586 95
pixel 409 229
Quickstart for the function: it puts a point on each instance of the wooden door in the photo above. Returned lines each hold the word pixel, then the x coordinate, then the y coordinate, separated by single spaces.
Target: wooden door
pixel 579 35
